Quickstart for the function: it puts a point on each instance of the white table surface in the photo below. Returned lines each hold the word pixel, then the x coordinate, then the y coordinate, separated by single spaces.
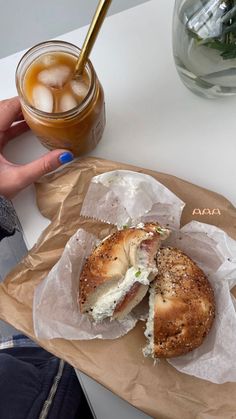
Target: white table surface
pixel 153 121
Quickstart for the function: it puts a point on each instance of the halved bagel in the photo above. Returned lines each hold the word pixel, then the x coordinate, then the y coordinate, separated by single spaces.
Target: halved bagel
pixel 181 306
pixel 117 274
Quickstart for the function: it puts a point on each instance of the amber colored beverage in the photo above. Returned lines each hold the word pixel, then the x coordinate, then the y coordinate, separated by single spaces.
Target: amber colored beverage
pixel 63 111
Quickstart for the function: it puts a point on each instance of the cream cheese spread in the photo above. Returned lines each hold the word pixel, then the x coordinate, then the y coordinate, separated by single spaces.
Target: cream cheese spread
pixel 149 332
pixel 105 305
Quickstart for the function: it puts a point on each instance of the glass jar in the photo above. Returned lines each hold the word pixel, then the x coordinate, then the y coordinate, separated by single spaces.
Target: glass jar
pixel 204 46
pixel 79 129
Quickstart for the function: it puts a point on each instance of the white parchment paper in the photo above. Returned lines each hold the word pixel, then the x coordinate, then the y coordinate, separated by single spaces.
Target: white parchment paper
pixel 124 197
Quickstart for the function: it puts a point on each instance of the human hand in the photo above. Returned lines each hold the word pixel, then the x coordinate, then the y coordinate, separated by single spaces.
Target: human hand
pixel 14 177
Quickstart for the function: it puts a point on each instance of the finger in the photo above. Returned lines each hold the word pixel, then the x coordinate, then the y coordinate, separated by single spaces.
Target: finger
pixel 9 111
pixel 31 172
pixel 14 131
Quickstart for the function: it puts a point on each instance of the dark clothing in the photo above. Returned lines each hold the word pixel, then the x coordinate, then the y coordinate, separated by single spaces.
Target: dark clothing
pixel 36 385
pixel 8 219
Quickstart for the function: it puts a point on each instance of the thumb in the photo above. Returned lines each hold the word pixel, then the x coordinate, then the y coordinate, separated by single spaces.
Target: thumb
pixel 31 172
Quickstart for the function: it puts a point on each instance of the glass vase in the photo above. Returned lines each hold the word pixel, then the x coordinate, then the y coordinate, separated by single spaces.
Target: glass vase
pixel 204 46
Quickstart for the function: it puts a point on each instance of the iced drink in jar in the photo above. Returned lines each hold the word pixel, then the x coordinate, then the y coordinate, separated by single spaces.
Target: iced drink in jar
pixel 63 111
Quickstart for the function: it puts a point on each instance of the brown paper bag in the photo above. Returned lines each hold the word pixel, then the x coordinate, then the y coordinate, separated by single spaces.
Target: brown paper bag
pixel 160 391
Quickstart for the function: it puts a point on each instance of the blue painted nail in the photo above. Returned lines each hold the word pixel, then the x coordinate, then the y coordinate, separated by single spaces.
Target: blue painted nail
pixel 66 157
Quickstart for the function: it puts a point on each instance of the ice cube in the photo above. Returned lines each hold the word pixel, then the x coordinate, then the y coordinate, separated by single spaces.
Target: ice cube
pixel 42 98
pixel 55 76
pixel 79 88
pixel 48 60
pixel 67 102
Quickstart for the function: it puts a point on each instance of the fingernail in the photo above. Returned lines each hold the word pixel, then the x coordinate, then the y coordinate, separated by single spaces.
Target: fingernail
pixel 66 157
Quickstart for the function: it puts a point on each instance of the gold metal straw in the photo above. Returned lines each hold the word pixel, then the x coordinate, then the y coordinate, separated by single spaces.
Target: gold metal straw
pixel 92 34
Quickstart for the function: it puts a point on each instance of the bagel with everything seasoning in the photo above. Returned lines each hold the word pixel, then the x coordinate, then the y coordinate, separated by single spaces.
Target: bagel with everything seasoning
pixel 181 306
pixel 117 274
